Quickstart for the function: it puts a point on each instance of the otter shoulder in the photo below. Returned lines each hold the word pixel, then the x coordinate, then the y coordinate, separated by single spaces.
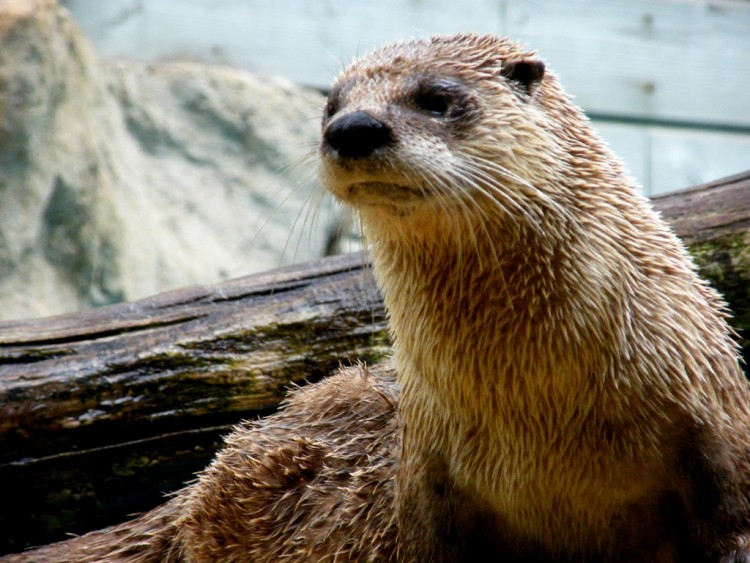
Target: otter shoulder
pixel 313 479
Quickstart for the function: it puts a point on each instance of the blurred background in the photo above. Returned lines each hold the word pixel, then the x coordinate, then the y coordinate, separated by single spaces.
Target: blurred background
pixel 666 82
pixel 152 144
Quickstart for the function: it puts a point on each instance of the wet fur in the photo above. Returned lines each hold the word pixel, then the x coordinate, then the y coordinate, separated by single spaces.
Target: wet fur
pixel 314 482
pixel 569 388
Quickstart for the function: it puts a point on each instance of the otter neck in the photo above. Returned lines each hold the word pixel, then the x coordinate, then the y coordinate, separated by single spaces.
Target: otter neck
pixel 469 316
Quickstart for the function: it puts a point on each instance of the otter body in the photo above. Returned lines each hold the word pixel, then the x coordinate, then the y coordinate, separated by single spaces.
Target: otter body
pixel 312 482
pixel 570 389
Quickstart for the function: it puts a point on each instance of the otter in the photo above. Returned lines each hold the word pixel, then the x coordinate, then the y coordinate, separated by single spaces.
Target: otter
pixel 568 388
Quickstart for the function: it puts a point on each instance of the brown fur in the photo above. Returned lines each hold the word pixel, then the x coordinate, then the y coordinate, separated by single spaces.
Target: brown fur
pixel 569 388
pixel 313 482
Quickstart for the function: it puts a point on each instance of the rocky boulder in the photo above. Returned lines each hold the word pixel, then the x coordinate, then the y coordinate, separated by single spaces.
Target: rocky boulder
pixel 119 180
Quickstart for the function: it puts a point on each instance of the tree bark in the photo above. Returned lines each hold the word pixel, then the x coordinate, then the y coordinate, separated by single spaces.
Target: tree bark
pixel 103 411
pixel 713 220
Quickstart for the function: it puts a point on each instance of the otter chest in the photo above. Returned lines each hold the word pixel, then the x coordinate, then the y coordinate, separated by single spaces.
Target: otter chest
pixel 563 491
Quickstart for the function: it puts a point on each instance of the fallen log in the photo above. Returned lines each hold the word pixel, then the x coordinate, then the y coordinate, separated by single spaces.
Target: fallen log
pixel 713 220
pixel 104 411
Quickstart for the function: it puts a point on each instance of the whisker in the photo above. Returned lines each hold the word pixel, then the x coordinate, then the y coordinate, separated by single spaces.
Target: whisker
pixel 542 197
pixel 481 217
pixel 508 201
pixel 466 178
pixel 312 208
pixel 311 189
pixel 444 192
pixel 277 207
pixel 306 159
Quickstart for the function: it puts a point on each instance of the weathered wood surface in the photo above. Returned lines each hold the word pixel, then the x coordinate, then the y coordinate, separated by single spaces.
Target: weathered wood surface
pixel 101 412
pixel 197 352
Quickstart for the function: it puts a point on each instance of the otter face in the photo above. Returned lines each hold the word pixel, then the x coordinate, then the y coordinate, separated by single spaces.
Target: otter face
pixel 386 144
pixel 429 125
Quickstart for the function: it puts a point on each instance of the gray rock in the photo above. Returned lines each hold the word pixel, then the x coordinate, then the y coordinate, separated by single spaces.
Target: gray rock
pixel 119 180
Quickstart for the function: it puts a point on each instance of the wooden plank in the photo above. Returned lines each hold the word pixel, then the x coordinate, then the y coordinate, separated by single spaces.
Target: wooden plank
pixel 670 60
pixel 308 42
pixel 664 60
pixel 663 159
pixel 683 158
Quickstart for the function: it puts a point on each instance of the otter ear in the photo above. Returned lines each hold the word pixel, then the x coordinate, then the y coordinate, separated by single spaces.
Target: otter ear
pixel 525 74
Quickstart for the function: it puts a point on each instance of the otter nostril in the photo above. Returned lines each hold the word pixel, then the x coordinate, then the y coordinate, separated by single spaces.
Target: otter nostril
pixel 357 135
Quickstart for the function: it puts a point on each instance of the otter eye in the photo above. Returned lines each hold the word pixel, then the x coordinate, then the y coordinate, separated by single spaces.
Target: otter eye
pixel 332 106
pixel 435 100
pixel 440 97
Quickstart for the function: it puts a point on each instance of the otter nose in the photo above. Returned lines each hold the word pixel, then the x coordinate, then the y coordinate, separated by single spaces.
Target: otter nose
pixel 357 135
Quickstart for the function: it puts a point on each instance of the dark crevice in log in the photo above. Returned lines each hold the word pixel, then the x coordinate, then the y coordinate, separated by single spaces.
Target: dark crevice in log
pixel 99 487
pixel 98 335
pixel 143 442
pixel 31 356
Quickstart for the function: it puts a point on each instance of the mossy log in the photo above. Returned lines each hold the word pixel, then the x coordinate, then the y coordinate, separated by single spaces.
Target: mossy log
pixel 103 412
pixel 713 220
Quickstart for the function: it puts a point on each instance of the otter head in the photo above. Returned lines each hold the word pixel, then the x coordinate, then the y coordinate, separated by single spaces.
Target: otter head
pixel 446 127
